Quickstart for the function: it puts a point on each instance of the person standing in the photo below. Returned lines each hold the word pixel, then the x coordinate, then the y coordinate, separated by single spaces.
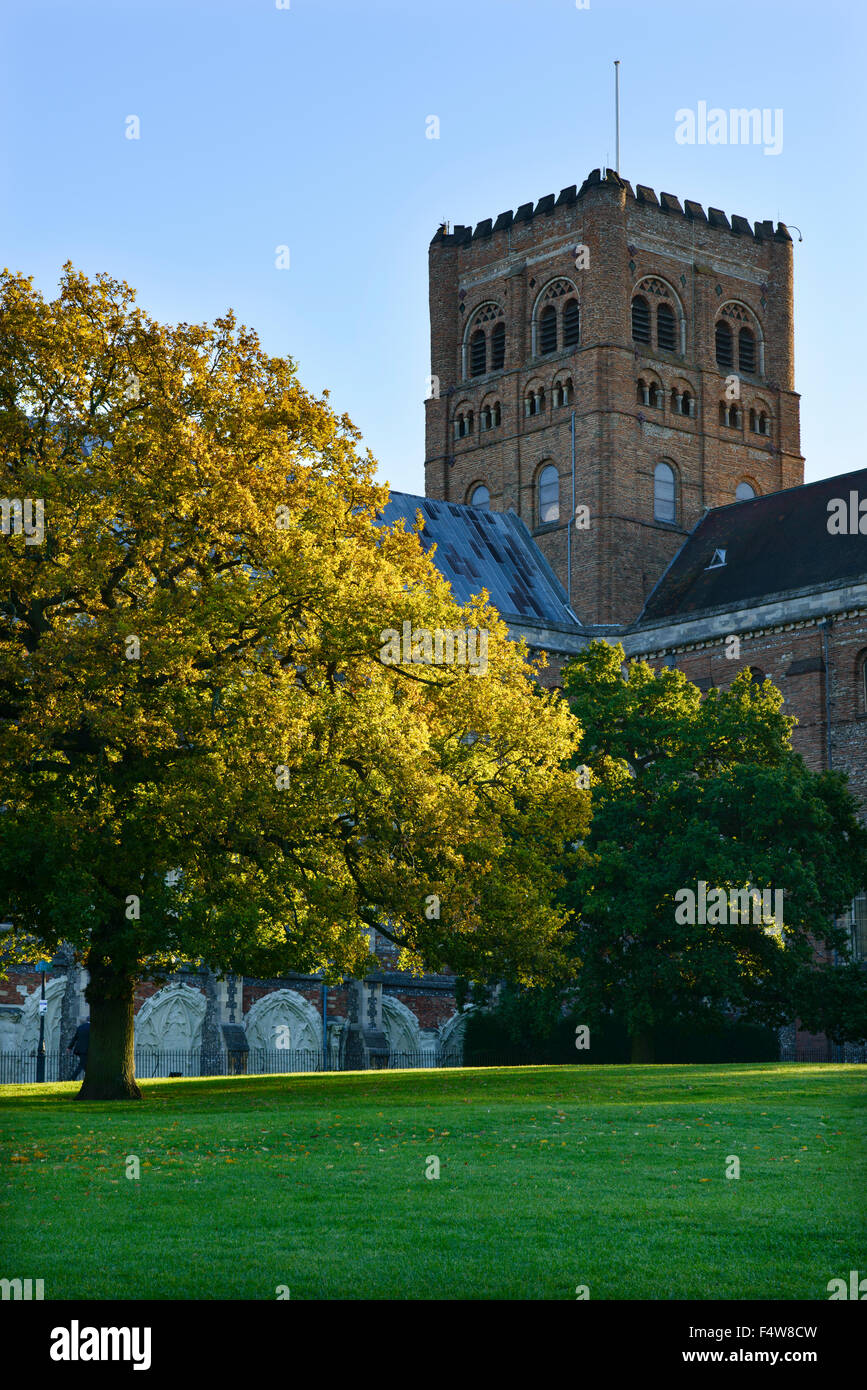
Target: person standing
pixel 79 1045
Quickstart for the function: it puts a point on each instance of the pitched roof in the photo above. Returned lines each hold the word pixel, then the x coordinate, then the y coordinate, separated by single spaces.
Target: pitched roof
pixel 479 549
pixel 771 545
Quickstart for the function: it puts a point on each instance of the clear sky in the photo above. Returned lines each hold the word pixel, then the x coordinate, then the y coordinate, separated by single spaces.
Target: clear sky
pixel 305 127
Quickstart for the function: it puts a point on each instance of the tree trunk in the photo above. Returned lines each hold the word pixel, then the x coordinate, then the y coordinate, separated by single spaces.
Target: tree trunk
pixel 642 1046
pixel 110 1071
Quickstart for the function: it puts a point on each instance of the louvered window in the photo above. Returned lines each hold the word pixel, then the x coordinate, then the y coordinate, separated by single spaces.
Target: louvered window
pixel 548 329
pixel 747 350
pixel 724 352
pixel 478 353
pixel 571 323
pixel 498 347
pixel 666 328
pixel 640 320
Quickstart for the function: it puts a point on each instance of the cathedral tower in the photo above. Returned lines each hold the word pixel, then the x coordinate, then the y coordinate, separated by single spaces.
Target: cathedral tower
pixel 664 332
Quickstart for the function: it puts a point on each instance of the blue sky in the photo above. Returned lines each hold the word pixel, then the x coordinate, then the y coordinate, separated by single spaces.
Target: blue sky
pixel 305 127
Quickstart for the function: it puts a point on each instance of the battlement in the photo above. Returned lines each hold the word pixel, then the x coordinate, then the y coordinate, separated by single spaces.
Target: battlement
pixel 667 204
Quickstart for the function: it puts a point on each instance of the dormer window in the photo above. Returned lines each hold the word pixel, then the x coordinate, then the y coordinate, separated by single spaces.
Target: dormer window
pixel 718 561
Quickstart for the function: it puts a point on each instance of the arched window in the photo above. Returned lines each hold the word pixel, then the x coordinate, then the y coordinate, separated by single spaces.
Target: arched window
pixel 534 401
pixel 754 426
pixel 666 328
pixel 498 346
pixel 464 424
pixel 549 495
pixel 746 350
pixel 757 674
pixel 642 392
pixel 640 320
pixel 571 323
pixel 478 353
pixel 664 493
pixel 724 345
pixel 495 414
pixel 548 329
pixel 737 321
pixel 480 497
pixel 763 423
pixel 485 418
pixel 730 416
pixel 744 492
pixel 475 358
pixel 562 393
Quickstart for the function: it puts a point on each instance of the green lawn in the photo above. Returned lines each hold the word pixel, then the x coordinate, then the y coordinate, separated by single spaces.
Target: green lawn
pixel 550 1178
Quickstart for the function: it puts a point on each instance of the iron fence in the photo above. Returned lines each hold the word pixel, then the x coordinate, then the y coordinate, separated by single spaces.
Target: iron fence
pixel 17 1068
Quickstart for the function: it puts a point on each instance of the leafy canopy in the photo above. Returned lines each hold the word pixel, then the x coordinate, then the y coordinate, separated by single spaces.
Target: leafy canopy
pixel 203 756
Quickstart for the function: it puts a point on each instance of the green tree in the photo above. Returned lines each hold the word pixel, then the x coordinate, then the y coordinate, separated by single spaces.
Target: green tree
pixel 206 755
pixel 687 790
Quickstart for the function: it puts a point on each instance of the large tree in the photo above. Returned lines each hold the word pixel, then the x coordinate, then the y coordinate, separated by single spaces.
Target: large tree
pixel 209 750
pixel 690 790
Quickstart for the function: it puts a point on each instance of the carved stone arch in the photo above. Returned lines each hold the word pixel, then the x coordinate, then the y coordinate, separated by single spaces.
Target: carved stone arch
pixel 655 289
pixel 401 1026
pixel 451 1037
pixel 485 315
pixel 555 291
pixel 28 1027
pixel 283 1023
pixel 171 1021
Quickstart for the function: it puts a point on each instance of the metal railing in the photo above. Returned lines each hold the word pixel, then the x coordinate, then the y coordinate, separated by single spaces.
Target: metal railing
pixel 17 1068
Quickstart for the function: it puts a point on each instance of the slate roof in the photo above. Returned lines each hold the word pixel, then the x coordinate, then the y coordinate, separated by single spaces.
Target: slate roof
pixel 479 549
pixel 772 544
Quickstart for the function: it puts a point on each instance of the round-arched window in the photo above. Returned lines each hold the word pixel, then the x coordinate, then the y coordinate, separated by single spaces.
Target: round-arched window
pixel 664 493
pixel 744 491
pixel 549 495
pixel 481 497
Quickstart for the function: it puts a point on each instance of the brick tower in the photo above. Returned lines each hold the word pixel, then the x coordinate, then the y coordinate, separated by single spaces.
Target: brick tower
pixel 663 331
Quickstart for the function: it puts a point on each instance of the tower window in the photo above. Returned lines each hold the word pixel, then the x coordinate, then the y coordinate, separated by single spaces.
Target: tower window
pixel 549 495
pixel 480 497
pixel 464 424
pixel 498 347
pixel 478 353
pixel 664 493
pixel 724 345
pixel 548 329
pixel 534 402
pixel 744 492
pixel 666 328
pixel 571 323
pixel 640 320
pixel 746 350
pixel 562 393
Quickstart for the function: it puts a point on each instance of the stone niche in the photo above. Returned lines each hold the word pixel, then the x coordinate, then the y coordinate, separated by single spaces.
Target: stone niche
pixel 168 1032
pixel 281 1025
pixel 19 1032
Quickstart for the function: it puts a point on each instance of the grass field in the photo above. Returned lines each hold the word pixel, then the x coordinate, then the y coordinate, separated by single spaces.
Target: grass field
pixel 550 1178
